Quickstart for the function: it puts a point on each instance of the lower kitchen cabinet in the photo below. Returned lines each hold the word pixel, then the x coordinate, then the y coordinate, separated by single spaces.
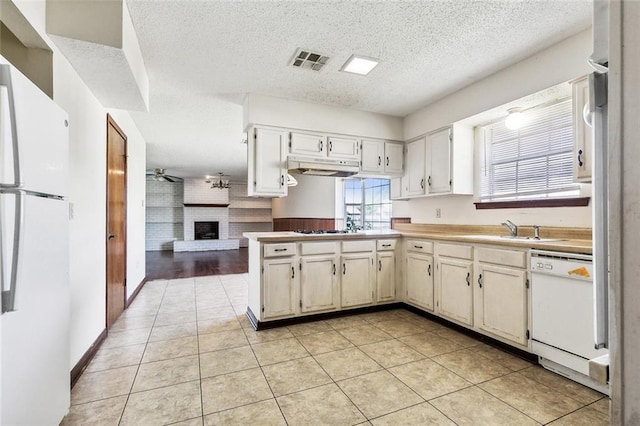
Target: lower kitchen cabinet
pixel 358 277
pixel 319 289
pixel 455 293
pixel 501 302
pixel 419 281
pixel 386 277
pixel 279 287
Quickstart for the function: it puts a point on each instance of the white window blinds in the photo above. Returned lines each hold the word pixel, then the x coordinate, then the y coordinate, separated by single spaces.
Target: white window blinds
pixel 534 161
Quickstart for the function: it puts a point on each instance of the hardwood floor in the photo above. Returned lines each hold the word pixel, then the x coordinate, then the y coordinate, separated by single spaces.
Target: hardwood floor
pixel 170 265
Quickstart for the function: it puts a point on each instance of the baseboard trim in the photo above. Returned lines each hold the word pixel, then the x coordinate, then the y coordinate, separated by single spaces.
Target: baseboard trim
pixel 135 292
pixel 77 370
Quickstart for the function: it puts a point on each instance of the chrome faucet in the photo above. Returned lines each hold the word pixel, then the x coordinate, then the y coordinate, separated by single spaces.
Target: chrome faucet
pixel 513 229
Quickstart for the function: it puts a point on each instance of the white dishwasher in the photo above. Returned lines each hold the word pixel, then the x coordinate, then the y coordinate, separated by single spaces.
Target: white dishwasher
pixel 562 314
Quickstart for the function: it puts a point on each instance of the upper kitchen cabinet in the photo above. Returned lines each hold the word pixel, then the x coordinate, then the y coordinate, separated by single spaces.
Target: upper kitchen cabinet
pixel 414 176
pixel 582 134
pixel 449 160
pixel 378 157
pixel 267 162
pixel 318 145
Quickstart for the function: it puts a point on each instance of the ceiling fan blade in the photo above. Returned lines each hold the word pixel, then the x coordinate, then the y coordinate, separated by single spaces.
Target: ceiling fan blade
pixel 168 179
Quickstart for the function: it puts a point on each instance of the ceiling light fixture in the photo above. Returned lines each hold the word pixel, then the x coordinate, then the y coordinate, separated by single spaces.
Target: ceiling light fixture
pixel 515 119
pixel 361 65
pixel 220 183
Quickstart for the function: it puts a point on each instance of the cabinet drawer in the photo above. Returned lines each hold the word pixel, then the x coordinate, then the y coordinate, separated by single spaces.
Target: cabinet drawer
pixel 325 247
pixel 517 259
pixel 386 245
pixel 455 250
pixel 360 245
pixel 420 246
pixel 283 249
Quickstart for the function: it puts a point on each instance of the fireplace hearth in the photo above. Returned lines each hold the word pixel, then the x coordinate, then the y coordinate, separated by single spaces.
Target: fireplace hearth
pixel 206 230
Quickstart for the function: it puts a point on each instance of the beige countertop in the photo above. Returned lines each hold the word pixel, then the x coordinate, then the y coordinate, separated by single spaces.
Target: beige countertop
pixel 289 236
pixel 554 244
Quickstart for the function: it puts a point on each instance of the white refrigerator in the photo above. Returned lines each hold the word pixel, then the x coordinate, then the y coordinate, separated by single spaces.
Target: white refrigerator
pixel 34 254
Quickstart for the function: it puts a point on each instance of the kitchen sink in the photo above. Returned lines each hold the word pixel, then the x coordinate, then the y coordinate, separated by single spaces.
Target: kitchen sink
pixel 510 238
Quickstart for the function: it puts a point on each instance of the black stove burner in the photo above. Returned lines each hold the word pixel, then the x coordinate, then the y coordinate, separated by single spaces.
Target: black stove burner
pixel 320 231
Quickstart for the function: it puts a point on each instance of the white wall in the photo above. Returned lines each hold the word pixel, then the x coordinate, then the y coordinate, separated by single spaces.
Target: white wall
pixel 87 148
pixel 314 197
pixel 561 62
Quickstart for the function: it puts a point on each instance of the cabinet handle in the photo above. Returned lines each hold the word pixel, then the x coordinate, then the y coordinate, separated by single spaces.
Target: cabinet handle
pixel 281 180
pixel 283 249
pixel 429 269
pixel 580 162
pixel 334 269
pixel 480 280
pixel 379 265
pixel 293 272
pixel 344 269
pixel 386 245
pixel 330 146
pixel 429 181
pixel 321 145
pixel 468 278
pixel 379 160
pixel 422 183
pixel 418 247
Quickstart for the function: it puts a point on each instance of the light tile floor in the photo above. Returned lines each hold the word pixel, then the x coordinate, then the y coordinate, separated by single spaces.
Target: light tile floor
pixel 185 354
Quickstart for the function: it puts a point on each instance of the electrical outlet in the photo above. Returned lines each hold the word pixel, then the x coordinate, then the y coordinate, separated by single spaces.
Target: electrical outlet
pixel 438 213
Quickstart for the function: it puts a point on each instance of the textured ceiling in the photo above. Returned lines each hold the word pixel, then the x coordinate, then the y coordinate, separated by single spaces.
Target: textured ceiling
pixel 203 56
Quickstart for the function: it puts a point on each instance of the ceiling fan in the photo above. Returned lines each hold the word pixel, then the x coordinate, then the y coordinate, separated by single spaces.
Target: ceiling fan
pixel 160 176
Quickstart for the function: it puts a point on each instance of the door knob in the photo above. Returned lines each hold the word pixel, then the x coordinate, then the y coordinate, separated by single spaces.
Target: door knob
pixel 111 236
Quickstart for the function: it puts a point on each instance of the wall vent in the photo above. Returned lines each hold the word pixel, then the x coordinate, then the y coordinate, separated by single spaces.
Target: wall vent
pixel 309 60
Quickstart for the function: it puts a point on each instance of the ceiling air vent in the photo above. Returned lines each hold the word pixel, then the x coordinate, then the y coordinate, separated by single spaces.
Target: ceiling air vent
pixel 309 60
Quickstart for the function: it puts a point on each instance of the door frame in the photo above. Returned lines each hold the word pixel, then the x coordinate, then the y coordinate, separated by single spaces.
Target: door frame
pixel 111 122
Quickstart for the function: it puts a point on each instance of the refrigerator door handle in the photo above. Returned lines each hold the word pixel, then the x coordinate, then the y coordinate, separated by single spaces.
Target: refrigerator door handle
pixel 598 106
pixel 9 295
pixel 5 80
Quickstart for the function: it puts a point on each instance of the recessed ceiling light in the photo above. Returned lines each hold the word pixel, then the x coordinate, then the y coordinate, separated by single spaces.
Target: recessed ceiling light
pixel 361 65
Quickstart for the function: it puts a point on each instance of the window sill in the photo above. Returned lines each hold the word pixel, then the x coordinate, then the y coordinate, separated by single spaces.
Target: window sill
pixel 527 204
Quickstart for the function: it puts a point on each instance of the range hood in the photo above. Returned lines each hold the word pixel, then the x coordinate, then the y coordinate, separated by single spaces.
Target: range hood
pixel 322 166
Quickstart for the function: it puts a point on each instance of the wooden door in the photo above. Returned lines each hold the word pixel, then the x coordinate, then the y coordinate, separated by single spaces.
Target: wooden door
pixel 270 162
pixel 346 148
pixel 439 174
pixel 393 157
pixel 308 144
pixel 372 156
pixel 116 238
pixel 415 167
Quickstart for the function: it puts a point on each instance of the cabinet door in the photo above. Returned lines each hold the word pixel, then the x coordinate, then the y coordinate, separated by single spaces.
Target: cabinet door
pixel 420 272
pixel 308 144
pixel 343 148
pixel 582 133
pixel 396 185
pixel 502 302
pixel 386 277
pixel 318 283
pixel 455 296
pixel 439 161
pixel 358 276
pixel 415 182
pixel 269 163
pixel 279 299
pixel 393 157
pixel 372 156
